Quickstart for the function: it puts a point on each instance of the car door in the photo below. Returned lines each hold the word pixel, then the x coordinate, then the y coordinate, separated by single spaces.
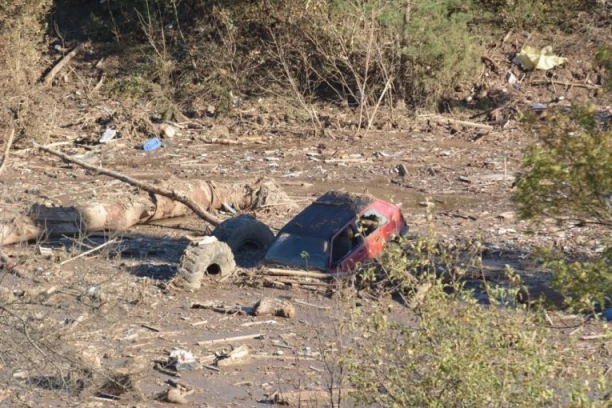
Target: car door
pixel 373 225
pixel 346 260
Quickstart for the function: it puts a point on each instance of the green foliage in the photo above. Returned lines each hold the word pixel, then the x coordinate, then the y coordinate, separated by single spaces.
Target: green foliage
pixel 588 284
pixel 568 175
pixel 604 59
pixel 453 351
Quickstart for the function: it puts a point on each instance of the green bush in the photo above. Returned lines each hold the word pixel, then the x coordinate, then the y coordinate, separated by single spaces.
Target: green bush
pixel 453 351
pixel 567 175
pixel 588 284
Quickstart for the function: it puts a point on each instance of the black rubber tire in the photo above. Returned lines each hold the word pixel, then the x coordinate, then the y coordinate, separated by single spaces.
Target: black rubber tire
pixel 215 258
pixel 242 230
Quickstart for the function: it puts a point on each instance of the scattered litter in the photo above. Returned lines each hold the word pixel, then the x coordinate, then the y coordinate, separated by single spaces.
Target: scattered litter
pixel 401 170
pixel 538 106
pixel 108 135
pixel 151 144
pixel 511 78
pixel 239 355
pixel 530 58
pixel 278 353
pixel 607 315
pixel 274 307
pixel 307 351
pixel 167 131
pixel 183 360
pixel 46 252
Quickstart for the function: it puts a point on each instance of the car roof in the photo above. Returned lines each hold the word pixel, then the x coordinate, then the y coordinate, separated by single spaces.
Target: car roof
pixel 328 214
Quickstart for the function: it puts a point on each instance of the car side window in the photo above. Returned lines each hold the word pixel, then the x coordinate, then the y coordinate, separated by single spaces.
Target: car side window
pixel 344 243
pixel 370 221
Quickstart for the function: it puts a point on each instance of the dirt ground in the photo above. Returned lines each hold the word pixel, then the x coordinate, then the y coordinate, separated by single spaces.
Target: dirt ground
pixel 113 310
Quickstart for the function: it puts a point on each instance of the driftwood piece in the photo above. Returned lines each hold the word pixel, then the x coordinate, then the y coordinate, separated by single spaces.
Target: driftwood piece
pixel 171 194
pixel 48 78
pixel 7 149
pixel 274 307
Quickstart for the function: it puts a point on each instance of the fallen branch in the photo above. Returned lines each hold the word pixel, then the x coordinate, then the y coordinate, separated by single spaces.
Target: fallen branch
pixel 173 195
pixel 47 79
pixel 7 149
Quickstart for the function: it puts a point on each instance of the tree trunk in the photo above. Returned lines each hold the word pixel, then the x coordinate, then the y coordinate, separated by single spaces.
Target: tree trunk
pixel 400 78
pixel 138 207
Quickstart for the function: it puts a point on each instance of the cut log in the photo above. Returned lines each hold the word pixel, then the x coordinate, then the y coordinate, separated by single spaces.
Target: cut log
pixel 274 307
pixel 123 211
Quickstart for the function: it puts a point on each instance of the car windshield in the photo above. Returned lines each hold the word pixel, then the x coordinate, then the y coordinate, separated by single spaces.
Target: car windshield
pixel 299 251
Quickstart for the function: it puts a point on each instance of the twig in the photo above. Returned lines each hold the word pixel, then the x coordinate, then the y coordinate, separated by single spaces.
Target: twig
pixel 47 79
pixel 301 302
pixel 7 149
pixel 155 329
pixel 570 84
pixel 594 337
pixel 249 324
pixel 161 369
pixel 173 195
pixel 229 339
pixel 88 252
pixel 212 368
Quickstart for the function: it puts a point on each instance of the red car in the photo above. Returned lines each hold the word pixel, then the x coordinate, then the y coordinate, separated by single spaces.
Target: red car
pixel 333 234
pixel 336 232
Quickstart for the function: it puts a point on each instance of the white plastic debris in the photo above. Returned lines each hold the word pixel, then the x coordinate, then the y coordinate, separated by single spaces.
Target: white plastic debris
pixel 530 58
pixel 167 131
pixel 108 135
pixel 511 78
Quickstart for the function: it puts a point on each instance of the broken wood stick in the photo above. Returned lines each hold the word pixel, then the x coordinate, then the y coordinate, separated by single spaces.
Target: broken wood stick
pixel 171 194
pixel 477 125
pixel 48 78
pixel 229 339
pixel 7 149
pixel 300 274
pixel 99 247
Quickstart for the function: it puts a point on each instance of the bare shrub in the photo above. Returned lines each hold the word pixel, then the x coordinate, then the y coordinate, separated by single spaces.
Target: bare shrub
pixel 21 42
